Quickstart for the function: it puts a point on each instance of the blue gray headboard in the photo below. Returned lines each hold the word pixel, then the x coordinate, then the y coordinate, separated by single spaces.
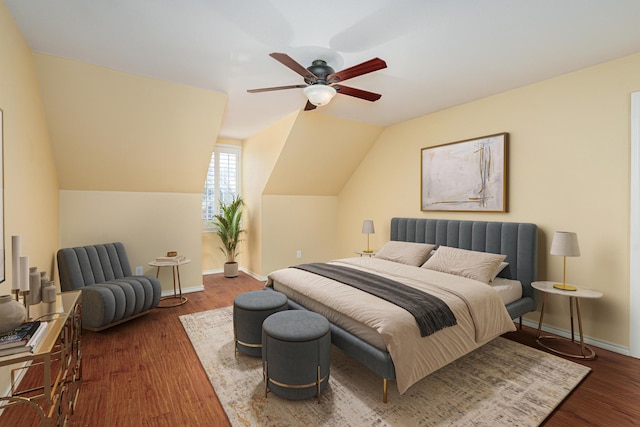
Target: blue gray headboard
pixel 518 241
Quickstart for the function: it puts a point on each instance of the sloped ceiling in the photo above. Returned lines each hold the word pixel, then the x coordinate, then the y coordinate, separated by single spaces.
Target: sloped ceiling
pixel 113 131
pixel 320 154
pixel 439 53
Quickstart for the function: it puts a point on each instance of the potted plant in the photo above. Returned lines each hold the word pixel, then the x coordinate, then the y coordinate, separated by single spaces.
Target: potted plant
pixel 229 229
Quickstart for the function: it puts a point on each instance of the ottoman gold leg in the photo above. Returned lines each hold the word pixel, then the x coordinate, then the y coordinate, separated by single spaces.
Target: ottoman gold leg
pixel 318 384
pixel 265 371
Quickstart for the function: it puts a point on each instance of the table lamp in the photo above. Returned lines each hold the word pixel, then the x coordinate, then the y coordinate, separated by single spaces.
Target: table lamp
pixel 565 243
pixel 367 228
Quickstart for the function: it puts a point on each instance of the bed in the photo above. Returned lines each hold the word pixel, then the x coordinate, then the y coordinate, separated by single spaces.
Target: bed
pixel 397 349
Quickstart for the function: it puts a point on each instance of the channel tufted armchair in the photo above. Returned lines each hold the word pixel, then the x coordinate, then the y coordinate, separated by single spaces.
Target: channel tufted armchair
pixel 110 293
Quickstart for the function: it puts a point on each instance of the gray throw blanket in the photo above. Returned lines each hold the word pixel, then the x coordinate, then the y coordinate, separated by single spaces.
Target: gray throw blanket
pixel 430 312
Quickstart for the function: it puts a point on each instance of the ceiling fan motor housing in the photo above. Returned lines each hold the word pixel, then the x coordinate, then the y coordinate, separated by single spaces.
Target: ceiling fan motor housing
pixel 321 71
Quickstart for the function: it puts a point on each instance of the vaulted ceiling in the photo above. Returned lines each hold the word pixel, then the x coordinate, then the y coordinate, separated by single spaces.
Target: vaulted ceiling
pixel 439 53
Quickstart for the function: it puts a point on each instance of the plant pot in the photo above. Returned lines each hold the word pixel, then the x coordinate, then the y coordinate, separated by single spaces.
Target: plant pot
pixel 230 269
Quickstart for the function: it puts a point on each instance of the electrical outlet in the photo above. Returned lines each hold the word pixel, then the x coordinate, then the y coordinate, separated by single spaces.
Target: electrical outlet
pixel 139 270
pixel 299 254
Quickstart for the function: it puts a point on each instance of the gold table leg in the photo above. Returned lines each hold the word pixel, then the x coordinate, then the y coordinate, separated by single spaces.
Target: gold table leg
pixel 177 290
pixel 586 352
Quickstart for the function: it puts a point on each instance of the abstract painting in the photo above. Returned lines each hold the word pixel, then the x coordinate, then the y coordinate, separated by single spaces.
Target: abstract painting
pixel 469 175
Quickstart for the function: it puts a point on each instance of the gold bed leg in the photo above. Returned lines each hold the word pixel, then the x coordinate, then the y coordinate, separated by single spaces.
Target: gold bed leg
pixel 385 383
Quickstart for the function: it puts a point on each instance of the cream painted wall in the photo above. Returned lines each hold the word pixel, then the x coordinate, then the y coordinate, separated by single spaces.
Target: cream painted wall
pixel 259 155
pixel 115 131
pixel 568 170
pixel 305 223
pixel 292 172
pixel 30 179
pixel 149 225
pixel 118 138
pixel 320 155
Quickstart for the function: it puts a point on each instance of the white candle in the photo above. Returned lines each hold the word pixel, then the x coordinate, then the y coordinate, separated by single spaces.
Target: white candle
pixel 15 262
pixel 24 273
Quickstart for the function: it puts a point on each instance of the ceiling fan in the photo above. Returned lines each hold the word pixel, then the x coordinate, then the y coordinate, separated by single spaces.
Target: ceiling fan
pixel 322 82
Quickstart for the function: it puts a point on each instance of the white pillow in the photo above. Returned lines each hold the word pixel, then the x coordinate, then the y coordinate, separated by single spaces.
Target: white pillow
pixel 501 267
pixel 480 266
pixel 405 252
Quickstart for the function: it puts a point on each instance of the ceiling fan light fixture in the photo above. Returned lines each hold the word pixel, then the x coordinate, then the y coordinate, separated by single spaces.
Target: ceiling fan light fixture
pixel 319 94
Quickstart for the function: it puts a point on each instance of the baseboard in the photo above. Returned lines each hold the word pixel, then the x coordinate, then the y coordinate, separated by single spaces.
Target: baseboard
pixel 255 276
pixel 588 340
pixel 244 270
pixel 197 288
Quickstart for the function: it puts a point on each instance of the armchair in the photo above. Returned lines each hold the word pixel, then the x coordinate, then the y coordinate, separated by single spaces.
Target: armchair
pixel 110 293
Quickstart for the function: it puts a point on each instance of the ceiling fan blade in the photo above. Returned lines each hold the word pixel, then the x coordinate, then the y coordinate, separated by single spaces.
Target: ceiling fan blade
pixel 268 89
pixel 309 106
pixel 369 66
pixel 358 93
pixel 289 62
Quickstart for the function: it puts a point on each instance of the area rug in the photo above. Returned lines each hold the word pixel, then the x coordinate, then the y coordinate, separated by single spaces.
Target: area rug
pixel 501 383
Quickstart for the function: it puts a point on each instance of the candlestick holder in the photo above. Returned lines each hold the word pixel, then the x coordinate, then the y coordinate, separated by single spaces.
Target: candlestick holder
pixel 25 300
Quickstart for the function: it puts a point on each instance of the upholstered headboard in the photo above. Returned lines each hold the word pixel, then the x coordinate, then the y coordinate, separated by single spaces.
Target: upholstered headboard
pixel 518 241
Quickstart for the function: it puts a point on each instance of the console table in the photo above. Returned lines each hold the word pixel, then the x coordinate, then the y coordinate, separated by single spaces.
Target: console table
pixel 58 358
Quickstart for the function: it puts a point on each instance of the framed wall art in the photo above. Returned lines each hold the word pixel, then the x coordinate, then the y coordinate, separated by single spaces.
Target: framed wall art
pixel 469 175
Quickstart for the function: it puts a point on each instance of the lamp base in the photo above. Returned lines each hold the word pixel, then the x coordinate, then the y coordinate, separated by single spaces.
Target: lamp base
pixel 367 251
pixel 564 287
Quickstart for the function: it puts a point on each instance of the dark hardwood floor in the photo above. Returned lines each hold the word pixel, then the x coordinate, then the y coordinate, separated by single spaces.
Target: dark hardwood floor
pixel 146 373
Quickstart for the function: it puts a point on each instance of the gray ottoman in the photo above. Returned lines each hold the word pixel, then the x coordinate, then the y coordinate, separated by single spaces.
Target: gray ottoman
pixel 296 346
pixel 249 311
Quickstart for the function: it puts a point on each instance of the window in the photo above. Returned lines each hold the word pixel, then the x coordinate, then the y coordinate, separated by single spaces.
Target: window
pixel 222 183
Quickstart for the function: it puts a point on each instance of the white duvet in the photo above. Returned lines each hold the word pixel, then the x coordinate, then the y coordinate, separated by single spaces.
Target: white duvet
pixel 479 311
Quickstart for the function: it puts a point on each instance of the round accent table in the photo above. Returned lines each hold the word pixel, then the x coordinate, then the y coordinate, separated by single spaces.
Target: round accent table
pixel 177 290
pixel 574 296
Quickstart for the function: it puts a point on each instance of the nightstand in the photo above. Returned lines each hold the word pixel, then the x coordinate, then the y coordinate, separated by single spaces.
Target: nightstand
pixel 574 296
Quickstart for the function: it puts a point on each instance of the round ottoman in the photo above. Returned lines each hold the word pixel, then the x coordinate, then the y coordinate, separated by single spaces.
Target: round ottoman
pixel 296 346
pixel 249 311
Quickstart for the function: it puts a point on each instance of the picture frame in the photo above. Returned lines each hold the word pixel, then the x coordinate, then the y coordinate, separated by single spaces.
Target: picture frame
pixel 465 176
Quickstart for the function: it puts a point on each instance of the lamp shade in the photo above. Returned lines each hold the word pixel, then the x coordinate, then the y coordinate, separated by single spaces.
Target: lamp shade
pixel 367 227
pixel 565 243
pixel 319 94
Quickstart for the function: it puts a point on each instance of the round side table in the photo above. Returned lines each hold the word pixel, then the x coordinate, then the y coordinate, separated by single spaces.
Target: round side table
pixel 177 286
pixel 574 296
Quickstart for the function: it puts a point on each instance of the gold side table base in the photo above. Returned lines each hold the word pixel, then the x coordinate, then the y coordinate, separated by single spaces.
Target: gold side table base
pixel 587 352
pixel 181 300
pixel 177 288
